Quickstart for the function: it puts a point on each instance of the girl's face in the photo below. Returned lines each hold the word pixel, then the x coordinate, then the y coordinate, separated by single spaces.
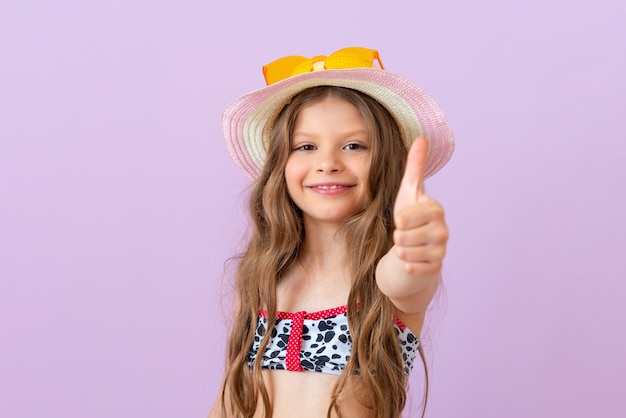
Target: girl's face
pixel 327 168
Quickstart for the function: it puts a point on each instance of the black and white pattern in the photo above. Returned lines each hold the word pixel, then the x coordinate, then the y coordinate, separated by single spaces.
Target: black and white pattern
pixel 325 345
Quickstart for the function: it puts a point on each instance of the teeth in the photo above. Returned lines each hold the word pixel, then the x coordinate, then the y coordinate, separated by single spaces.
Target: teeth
pixel 328 187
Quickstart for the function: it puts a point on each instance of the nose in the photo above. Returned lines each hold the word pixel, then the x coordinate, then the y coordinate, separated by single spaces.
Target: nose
pixel 329 162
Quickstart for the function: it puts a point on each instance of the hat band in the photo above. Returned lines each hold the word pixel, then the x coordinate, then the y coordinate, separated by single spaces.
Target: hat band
pixel 346 58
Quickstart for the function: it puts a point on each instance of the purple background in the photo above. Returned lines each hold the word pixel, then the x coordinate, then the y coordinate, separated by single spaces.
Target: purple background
pixel 119 204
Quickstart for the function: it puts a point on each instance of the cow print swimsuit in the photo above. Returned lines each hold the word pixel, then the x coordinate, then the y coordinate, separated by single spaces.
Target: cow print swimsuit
pixel 318 341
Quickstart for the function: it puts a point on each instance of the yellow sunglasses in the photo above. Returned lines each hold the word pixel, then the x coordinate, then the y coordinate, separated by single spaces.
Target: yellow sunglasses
pixel 353 57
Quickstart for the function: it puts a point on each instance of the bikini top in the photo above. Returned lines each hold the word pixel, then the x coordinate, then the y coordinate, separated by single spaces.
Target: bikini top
pixel 318 341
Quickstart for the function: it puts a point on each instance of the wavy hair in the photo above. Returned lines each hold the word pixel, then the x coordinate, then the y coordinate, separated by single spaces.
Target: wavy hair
pixel 375 366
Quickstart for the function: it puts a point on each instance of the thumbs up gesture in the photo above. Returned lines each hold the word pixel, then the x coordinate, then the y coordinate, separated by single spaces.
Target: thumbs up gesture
pixel 421 232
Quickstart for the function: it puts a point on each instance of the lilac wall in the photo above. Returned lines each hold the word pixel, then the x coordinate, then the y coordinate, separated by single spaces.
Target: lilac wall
pixel 119 204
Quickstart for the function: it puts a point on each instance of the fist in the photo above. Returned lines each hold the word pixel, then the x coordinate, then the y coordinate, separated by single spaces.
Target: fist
pixel 421 234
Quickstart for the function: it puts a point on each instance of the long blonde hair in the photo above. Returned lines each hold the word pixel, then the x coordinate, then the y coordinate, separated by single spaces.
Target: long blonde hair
pixel 277 234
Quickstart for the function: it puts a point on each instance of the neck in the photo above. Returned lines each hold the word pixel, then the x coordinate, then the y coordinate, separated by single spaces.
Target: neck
pixel 324 248
pixel 320 279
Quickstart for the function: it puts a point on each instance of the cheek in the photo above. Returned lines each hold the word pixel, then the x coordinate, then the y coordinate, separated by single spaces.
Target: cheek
pixel 292 175
pixel 365 170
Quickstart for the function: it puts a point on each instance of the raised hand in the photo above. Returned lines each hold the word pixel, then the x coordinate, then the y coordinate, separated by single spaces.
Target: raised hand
pixel 421 233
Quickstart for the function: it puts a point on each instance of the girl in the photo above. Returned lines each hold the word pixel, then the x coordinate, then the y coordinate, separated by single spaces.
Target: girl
pixel 346 248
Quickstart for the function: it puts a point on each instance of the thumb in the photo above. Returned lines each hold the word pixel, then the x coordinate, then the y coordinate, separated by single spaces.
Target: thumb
pixel 412 184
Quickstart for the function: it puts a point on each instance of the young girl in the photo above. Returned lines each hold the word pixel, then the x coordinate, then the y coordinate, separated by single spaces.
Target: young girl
pixel 346 248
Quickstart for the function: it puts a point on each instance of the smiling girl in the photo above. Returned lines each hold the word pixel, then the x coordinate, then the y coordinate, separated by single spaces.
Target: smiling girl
pixel 346 248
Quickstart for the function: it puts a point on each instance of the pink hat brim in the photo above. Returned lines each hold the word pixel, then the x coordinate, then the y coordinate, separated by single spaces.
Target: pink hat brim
pixel 416 113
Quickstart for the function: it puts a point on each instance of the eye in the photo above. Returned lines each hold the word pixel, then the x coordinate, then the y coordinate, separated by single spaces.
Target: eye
pixel 304 147
pixel 355 146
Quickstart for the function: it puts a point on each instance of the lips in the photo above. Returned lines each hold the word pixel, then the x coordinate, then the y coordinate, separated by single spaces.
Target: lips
pixel 327 187
pixel 330 188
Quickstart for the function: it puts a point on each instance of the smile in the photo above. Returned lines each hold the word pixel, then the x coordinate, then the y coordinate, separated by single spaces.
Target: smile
pixel 333 187
pixel 330 189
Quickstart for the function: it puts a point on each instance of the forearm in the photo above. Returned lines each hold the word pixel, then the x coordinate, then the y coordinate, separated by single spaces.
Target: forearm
pixel 410 288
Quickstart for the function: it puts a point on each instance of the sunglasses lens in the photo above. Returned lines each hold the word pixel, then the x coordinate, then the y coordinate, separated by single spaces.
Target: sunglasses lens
pixel 353 57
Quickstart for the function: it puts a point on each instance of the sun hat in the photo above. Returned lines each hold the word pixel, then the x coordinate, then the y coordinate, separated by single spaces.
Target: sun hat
pixel 247 121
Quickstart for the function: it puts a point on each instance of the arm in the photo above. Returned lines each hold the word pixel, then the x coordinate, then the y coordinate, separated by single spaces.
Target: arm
pixel 215 411
pixel 410 272
pixel 223 395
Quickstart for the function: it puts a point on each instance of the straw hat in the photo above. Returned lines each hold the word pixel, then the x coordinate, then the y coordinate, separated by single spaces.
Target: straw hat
pixel 247 121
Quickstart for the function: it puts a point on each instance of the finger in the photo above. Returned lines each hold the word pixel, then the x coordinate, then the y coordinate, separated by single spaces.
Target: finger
pixel 416 164
pixel 427 236
pixel 423 268
pixel 420 214
pixel 412 238
pixel 433 254
pixel 412 184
